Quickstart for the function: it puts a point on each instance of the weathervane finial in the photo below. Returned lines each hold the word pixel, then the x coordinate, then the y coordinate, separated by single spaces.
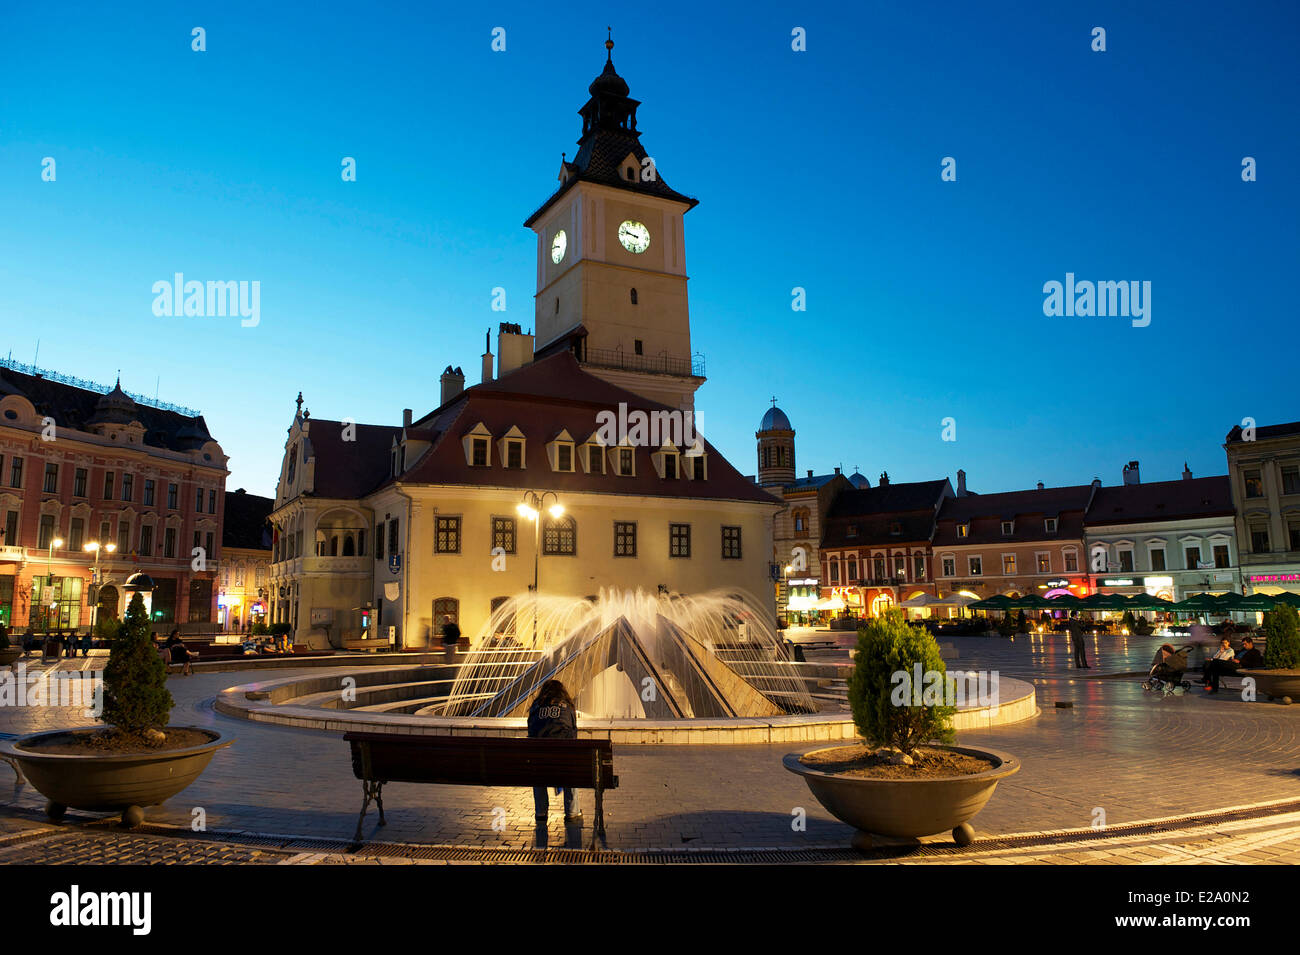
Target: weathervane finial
pixel 609 43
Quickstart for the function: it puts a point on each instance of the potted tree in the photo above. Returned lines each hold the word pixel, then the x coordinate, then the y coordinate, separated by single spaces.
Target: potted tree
pixel 1280 676
pixel 136 759
pixel 906 780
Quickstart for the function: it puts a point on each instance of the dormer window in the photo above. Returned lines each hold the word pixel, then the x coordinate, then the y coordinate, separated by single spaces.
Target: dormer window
pixel 1049 525
pixel 697 466
pixel 852 531
pixel 560 453
pixel 631 174
pixel 895 528
pixel 624 462
pixel 963 530
pixel 665 461
pixel 511 448
pixel 477 444
pixel 1008 528
pixel 593 458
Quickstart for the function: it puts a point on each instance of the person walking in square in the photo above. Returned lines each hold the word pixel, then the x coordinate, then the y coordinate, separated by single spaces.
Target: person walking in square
pixel 450 636
pixel 1076 628
pixel 553 715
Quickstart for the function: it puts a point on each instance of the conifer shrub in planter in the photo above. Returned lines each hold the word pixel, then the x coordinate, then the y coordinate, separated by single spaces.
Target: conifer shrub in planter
pixel 906 779
pixel 137 759
pixel 1280 676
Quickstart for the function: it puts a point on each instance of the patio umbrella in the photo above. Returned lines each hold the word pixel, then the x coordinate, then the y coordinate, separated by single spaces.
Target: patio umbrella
pixel 996 602
pixel 1065 602
pixel 1104 602
pixel 920 600
pixel 1199 604
pixel 1261 603
pixel 1031 602
pixel 1285 597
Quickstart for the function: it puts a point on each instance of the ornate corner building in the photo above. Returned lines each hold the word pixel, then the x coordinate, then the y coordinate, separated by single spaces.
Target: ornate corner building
pixel 83 465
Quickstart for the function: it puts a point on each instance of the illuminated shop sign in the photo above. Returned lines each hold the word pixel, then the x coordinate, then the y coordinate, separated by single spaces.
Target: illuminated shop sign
pixel 1058 583
pixel 1158 581
pixel 1117 582
pixel 1274 578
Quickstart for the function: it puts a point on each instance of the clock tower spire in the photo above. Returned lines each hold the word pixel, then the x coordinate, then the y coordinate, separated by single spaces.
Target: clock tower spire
pixel 611 259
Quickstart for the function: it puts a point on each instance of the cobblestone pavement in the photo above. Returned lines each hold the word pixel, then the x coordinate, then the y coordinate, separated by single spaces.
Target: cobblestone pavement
pixel 1118 753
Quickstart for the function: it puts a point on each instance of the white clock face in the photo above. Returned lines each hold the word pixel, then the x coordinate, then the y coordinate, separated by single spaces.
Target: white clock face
pixel 634 236
pixel 558 246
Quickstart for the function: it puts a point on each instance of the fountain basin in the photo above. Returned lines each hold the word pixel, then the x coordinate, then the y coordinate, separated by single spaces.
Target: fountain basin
pixel 285 702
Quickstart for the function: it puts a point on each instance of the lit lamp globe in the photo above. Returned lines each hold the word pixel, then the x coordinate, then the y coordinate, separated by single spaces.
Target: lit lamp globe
pixel 143 585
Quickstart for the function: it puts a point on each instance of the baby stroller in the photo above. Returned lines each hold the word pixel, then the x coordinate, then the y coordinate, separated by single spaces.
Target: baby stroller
pixel 1166 675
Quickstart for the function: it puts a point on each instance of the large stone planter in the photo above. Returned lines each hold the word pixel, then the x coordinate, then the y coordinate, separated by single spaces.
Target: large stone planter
pixel 111 783
pixel 907 808
pixel 1275 684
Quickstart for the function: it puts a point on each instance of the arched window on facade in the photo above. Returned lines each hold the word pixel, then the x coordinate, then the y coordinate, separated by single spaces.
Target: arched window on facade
pixel 445 607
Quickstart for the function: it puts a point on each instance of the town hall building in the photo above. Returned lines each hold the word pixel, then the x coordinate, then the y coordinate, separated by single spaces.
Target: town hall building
pixel 522 480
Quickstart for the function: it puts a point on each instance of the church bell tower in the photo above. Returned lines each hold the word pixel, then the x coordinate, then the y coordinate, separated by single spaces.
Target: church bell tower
pixel 611 257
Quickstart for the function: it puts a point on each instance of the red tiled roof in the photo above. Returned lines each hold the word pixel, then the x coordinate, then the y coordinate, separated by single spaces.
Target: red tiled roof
pixel 1162 501
pixel 349 469
pixel 873 514
pixel 541 399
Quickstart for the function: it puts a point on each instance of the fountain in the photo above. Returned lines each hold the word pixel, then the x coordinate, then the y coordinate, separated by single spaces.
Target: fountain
pixel 628 655
pixel 643 669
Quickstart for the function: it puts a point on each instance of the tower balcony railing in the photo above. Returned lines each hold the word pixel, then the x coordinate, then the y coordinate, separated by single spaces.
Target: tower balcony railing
pixel 652 364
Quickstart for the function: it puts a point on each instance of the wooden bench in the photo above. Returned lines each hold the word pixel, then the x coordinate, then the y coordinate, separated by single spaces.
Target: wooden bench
pixel 379 758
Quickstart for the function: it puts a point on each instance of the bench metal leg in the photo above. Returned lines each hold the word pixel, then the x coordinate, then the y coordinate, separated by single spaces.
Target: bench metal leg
pixel 598 824
pixel 369 790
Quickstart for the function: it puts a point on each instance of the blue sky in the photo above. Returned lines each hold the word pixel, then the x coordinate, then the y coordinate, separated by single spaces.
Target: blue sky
pixel 817 169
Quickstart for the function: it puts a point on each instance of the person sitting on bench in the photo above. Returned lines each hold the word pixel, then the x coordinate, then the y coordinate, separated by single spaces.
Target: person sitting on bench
pixel 1211 673
pixel 176 647
pixel 553 716
pixel 1248 659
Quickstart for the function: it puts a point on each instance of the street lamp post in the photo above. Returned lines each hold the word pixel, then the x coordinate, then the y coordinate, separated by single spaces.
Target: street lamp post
pixel 531 507
pixel 49 578
pixel 96 548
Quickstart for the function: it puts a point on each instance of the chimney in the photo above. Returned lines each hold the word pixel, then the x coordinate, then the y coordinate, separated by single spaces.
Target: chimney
pixel 487 356
pixel 837 470
pixel 514 348
pixel 453 383
pixel 1131 473
pixel 406 417
pixel 810 472
pixel 961 483
pixel 1096 482
pixel 1040 485
pixel 884 478
pixel 1187 474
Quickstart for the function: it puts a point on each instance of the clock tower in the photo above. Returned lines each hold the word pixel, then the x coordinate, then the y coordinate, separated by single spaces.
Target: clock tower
pixel 611 257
